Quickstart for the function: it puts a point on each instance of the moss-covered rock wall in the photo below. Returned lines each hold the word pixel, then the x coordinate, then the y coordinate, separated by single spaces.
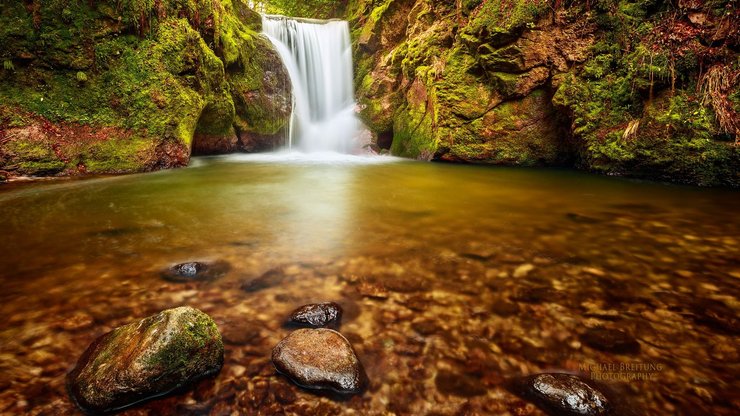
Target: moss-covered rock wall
pixel 133 85
pixel 637 88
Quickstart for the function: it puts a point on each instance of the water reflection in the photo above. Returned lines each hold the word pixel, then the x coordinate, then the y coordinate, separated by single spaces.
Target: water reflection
pixel 453 280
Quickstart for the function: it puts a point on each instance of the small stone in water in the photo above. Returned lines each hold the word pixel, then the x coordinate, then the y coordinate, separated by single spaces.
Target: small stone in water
pixel 320 359
pixel 372 290
pixel 196 271
pixel 461 385
pixel 270 278
pixel 317 315
pixel 561 394
pixel 79 320
pixel 504 308
pixel 611 340
pixel 716 315
pixel 523 270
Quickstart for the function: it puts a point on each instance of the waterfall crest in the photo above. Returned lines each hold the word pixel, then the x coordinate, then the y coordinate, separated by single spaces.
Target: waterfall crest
pixel 318 57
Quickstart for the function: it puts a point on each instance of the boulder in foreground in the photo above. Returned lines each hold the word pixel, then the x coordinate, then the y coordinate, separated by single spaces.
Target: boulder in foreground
pixel 320 359
pixel 146 359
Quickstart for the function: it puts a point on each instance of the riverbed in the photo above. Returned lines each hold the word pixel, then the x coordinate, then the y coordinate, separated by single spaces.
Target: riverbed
pixel 453 280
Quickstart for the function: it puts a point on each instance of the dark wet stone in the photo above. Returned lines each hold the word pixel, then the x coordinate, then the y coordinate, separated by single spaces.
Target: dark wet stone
pixel 561 394
pixel 117 232
pixel 283 393
pixel 638 208
pixel 270 278
pixel 320 359
pixel 241 332
pixel 504 308
pixel 539 294
pixel 317 315
pixel 617 291
pixel 461 385
pixel 716 315
pixel 581 219
pixel 196 271
pixel 476 256
pixel 426 326
pixel 372 290
pixel 247 243
pixel 146 359
pixel 404 284
pixel 610 340
pixel 350 309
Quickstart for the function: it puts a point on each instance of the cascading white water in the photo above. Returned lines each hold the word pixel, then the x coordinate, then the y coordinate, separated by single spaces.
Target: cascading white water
pixel 318 57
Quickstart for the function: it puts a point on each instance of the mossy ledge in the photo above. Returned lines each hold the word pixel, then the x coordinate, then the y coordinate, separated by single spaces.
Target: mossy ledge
pixel 638 88
pixel 133 85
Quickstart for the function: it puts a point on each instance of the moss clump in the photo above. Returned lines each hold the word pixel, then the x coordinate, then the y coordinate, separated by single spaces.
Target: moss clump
pixel 195 332
pixel 116 155
pixel 634 107
pixel 414 128
pixel 34 158
pixel 521 132
pixel 261 90
pixel 498 22
pixel 673 142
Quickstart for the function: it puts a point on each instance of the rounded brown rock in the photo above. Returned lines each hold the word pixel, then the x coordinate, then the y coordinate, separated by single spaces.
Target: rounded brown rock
pixel 320 359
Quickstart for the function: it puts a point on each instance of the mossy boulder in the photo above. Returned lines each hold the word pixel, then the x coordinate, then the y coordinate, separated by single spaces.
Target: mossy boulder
pixel 261 88
pixel 146 359
pixel 523 132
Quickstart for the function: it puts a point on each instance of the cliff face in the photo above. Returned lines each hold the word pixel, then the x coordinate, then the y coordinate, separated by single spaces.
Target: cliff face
pixel 133 85
pixel 639 88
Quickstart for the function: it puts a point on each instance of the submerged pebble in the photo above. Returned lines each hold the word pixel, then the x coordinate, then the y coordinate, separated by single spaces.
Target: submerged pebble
pixel 320 359
pixel 610 340
pixel 270 278
pixel 317 315
pixel 455 384
pixel 146 359
pixel 196 271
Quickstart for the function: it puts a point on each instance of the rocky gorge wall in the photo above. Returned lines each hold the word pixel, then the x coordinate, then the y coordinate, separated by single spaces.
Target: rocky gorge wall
pixel 640 88
pixel 134 85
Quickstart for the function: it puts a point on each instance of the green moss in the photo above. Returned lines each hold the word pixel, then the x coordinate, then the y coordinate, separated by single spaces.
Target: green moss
pixel 460 92
pixel 198 331
pixel 117 155
pixel 261 97
pixel 369 27
pixel 34 157
pixel 498 22
pixel 135 65
pixel 414 126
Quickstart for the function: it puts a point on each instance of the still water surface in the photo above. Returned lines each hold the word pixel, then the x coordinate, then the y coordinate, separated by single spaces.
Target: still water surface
pixel 453 279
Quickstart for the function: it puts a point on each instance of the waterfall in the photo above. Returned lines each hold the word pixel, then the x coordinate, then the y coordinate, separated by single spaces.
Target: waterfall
pixel 318 57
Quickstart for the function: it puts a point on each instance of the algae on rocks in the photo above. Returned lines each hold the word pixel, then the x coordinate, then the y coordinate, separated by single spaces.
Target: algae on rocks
pixel 146 359
pixel 619 87
pixel 127 86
